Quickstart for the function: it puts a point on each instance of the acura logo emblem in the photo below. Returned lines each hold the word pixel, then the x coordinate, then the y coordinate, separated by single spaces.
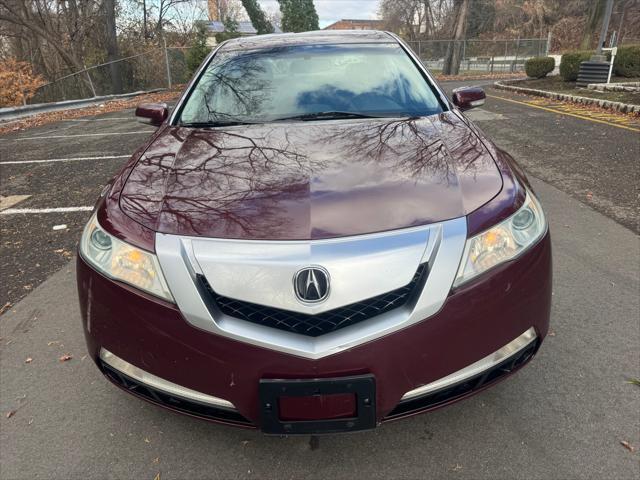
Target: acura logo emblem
pixel 311 284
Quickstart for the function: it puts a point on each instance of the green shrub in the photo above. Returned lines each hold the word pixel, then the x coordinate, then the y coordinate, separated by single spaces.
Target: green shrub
pixel 198 50
pixel 627 61
pixel 570 65
pixel 538 67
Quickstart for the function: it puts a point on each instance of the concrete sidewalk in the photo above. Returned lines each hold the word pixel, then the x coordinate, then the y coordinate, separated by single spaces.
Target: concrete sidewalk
pixel 563 416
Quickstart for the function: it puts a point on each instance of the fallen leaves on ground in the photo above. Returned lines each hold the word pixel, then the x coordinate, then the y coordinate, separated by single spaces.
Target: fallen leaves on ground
pixel 65 358
pixel 585 106
pixel 627 445
pixel 64 253
pixel 28 360
pixel 634 381
pixel 104 107
pixel 5 307
pixel 10 413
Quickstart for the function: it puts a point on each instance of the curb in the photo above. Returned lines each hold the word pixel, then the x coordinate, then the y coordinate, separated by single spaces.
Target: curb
pixel 608 104
pixel 13 113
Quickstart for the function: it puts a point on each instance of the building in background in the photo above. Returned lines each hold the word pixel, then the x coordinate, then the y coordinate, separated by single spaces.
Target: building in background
pixel 355 24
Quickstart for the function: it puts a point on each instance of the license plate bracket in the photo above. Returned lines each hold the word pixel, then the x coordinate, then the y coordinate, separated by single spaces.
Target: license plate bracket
pixel 362 386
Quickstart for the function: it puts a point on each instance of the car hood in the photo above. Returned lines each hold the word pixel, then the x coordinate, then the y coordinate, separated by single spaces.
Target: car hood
pixel 310 180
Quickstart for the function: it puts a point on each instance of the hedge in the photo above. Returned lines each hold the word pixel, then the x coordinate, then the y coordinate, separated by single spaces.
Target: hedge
pixel 626 64
pixel 538 67
pixel 570 65
pixel 627 61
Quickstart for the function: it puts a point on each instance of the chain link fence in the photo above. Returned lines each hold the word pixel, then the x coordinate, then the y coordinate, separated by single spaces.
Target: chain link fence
pixel 481 56
pixel 153 69
pixel 162 67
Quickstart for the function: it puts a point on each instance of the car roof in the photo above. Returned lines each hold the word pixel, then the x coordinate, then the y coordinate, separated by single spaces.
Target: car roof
pixel 319 37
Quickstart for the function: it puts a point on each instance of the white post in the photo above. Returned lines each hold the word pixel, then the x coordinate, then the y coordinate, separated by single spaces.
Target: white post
pixel 546 53
pixel 614 50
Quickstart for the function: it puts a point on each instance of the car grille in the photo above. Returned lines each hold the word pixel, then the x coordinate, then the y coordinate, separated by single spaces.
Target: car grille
pixel 322 323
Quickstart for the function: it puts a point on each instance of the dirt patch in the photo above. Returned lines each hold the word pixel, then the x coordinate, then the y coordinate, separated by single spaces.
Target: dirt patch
pixel 106 107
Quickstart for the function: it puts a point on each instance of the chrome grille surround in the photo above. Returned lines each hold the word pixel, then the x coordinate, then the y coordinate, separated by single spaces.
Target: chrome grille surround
pixel 399 252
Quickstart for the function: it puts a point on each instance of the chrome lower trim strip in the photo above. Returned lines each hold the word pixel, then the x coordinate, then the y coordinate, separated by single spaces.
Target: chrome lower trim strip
pixel 158 383
pixel 476 368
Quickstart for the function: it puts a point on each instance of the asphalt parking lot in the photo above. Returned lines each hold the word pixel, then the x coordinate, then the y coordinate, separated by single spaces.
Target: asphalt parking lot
pixel 564 416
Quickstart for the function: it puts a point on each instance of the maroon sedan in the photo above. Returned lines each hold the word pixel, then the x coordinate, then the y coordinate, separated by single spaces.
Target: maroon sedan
pixel 314 240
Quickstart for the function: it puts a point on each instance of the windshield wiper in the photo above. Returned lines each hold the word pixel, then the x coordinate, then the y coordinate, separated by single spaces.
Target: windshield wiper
pixel 332 115
pixel 217 123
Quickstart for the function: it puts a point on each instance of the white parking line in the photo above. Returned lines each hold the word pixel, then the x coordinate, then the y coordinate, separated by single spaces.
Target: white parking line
pixel 72 159
pixel 99 119
pixel 18 211
pixel 146 132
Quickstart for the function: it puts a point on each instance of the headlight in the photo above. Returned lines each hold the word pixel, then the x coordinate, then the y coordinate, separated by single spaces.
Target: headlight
pixel 121 261
pixel 503 242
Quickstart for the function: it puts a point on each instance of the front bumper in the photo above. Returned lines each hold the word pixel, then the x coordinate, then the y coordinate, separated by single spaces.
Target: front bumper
pixel 476 321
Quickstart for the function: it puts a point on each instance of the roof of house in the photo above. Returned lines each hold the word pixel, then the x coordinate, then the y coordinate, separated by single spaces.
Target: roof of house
pixel 244 27
pixel 357 20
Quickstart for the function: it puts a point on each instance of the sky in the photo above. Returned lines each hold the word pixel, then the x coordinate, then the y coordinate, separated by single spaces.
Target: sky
pixel 331 11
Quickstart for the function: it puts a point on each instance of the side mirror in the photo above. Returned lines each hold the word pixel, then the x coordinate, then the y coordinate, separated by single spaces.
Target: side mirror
pixel 152 113
pixel 468 97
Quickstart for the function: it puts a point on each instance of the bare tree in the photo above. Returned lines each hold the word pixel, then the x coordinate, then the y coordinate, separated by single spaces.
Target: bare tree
pixel 111 42
pixel 63 26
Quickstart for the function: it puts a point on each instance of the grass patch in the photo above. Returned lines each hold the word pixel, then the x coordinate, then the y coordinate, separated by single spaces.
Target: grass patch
pixel 556 84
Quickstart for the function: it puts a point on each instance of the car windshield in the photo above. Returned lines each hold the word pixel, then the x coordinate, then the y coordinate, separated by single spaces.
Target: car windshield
pixel 309 83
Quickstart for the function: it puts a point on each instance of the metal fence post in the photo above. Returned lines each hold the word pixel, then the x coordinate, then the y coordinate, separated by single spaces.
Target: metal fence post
pixel 515 60
pixel 93 90
pixel 420 49
pixel 166 59
pixel 506 46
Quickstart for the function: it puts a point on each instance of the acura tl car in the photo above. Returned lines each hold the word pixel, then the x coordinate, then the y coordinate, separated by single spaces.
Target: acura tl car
pixel 315 240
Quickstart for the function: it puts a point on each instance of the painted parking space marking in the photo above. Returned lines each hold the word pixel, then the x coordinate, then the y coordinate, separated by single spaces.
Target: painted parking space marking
pixel 482 115
pixel 97 119
pixel 619 121
pixel 72 159
pixel 11 200
pixel 22 211
pixel 142 132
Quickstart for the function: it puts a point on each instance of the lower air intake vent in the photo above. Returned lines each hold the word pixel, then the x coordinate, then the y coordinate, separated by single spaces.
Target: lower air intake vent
pixel 326 322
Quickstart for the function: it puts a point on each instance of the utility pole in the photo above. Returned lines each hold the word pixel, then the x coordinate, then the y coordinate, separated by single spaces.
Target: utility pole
pixel 597 69
pixel 605 27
